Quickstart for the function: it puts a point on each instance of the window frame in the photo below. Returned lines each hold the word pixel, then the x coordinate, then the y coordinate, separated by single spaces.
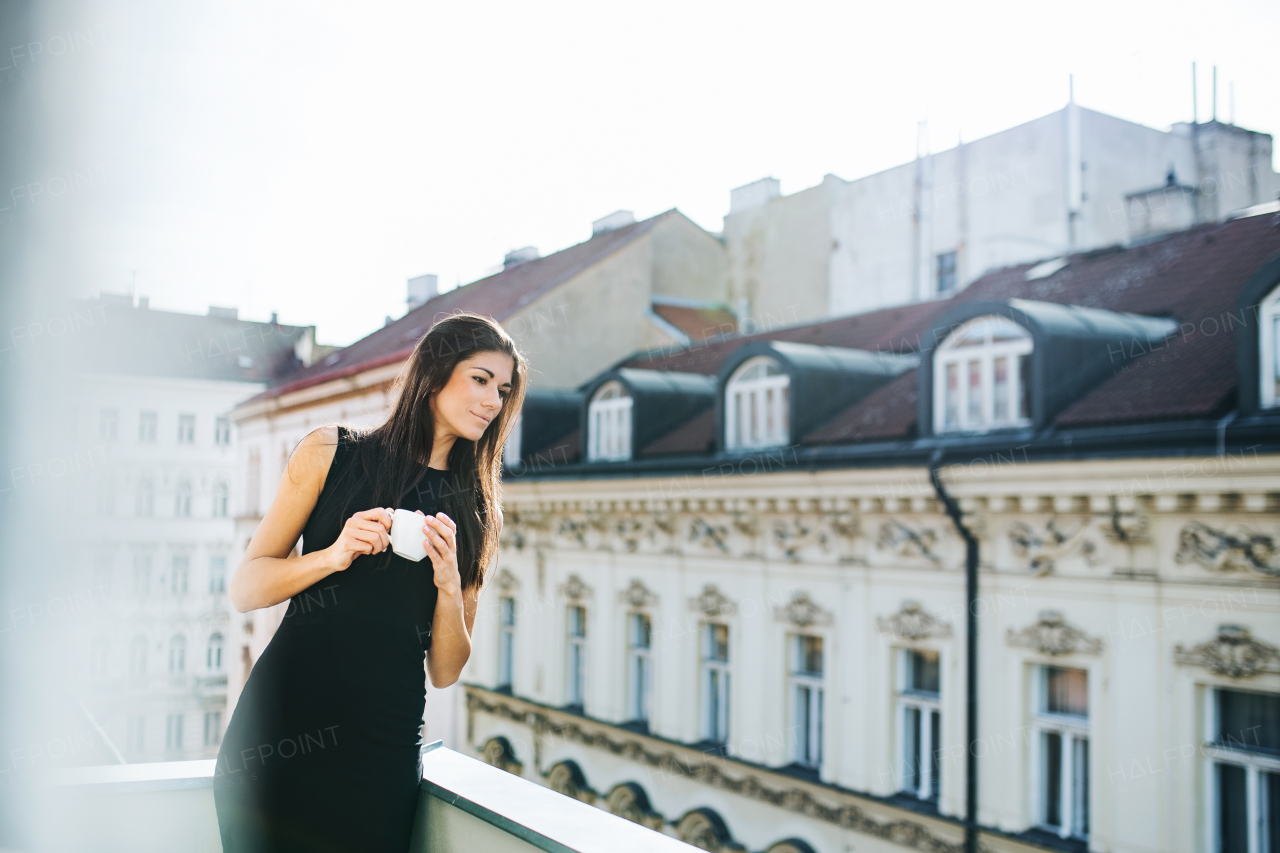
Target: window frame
pixel 576 651
pixel 639 669
pixel 1255 764
pixel 808 750
pixel 946 354
pixel 715 678
pixel 1269 349
pixel 609 422
pixel 186 428
pixel 506 641
pixel 941 269
pixel 1070 729
pixel 148 427
pixel 926 704
pixel 775 409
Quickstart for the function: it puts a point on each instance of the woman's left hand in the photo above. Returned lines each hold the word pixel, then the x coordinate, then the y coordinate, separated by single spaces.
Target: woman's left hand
pixel 441 544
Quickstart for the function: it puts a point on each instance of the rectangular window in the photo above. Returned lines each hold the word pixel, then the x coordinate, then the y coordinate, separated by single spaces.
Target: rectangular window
pixel 103 569
pixel 639 665
pixel 108 424
pixel 134 731
pixel 212 728
pixel 222 431
pixel 179 575
pixel 576 671
pixel 973 394
pixel 919 724
pixel 952 404
pixel 1000 390
pixel 173 731
pixel 1243 746
pixel 186 429
pixel 106 495
pixel 507 642
pixel 147 427
pixel 142 575
pixel 806 696
pixel 217 574
pixel 715 682
pixel 1061 724
pixel 145 505
pixel 946 273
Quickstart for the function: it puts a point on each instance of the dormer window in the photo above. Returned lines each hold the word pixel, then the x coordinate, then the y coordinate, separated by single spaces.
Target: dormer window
pixel 609 423
pixel 1269 350
pixel 981 376
pixel 757 405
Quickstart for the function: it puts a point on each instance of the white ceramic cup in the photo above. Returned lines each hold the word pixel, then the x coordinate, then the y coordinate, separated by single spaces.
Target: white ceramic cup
pixel 407 538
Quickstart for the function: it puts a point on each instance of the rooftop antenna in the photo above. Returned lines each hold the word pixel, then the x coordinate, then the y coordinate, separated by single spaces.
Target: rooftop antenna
pixel 1195 113
pixel 1215 93
pixel 1071 88
pixel 1232 88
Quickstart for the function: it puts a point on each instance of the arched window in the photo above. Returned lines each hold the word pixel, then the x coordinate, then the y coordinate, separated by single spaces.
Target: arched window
pixel 757 405
pixel 98 649
pixel 138 655
pixel 177 654
pixel 213 653
pixel 609 423
pixel 219 500
pixel 1269 349
pixel 145 505
pixel 981 376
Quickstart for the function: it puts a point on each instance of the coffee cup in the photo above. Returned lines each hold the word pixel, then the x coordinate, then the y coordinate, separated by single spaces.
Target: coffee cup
pixel 407 538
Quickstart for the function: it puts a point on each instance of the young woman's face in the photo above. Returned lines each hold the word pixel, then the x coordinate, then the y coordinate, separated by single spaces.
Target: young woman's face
pixel 474 394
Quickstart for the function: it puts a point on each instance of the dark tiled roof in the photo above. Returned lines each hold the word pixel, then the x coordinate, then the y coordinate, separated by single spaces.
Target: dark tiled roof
pixel 1193 277
pixel 498 296
pixel 698 323
pixel 117 338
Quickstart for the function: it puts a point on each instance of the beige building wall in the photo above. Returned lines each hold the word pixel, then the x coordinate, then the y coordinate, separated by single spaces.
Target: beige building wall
pixel 1106 566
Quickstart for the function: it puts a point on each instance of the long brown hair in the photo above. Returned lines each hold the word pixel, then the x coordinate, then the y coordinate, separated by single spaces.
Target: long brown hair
pixel 394 455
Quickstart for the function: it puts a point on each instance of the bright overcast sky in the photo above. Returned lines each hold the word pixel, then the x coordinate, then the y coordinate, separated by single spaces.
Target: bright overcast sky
pixel 307 158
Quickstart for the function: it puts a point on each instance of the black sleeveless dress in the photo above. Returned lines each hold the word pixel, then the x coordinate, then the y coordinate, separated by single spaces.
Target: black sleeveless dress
pixel 321 751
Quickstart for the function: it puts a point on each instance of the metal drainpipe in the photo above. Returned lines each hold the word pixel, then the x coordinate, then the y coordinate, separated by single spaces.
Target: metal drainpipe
pixel 971 654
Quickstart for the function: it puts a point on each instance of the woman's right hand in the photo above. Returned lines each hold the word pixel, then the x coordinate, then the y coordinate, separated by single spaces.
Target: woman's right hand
pixel 365 532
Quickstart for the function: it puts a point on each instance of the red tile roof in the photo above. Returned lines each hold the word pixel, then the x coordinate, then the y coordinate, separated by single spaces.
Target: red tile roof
pixel 499 296
pixel 698 323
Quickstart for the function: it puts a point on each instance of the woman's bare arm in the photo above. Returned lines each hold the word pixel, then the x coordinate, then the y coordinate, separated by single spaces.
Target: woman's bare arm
pixel 268 575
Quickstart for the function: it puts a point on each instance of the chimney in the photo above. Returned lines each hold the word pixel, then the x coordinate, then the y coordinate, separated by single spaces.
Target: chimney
pixel 224 313
pixel 144 303
pixel 421 289
pixel 275 321
pixel 755 194
pixel 519 256
pixel 612 222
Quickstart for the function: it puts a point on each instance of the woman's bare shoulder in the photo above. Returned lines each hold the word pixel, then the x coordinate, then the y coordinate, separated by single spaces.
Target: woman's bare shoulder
pixel 313 455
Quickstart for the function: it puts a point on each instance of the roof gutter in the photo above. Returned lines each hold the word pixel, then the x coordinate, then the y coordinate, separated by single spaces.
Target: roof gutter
pixel 971 653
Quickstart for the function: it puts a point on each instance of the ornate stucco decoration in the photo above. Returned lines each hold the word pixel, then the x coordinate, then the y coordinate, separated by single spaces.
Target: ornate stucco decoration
pixel 638 595
pixel 507 582
pixel 1234 653
pixel 913 623
pixel 707 535
pixel 565 778
pixel 628 800
pixel 664 760
pixel 573 529
pixel 1233 549
pixel 706 833
pixel 1126 528
pixel 1052 635
pixel 497 751
pixel 631 531
pixel 802 611
pixel 907 541
pixel 575 589
pixel 712 604
pixel 518 525
pixel 1044 549
pixel 794 535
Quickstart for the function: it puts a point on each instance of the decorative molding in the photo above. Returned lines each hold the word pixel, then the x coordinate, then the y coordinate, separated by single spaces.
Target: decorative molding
pixel 497 751
pixel 802 612
pixel 572 528
pixel 631 531
pixel 1232 549
pixel 707 535
pixel 638 595
pixel 712 604
pixel 628 800
pixel 507 582
pixel 1044 549
pixel 913 623
pixel 709 770
pixel 565 777
pixel 704 829
pixel 575 589
pixel 1126 528
pixel 1233 653
pixel 1053 636
pixel 793 535
pixel 907 541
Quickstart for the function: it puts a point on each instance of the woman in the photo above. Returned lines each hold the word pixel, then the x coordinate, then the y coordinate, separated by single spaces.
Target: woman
pixel 321 753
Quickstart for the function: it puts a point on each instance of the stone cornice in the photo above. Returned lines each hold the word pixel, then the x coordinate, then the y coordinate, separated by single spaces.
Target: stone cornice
pixel 836 806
